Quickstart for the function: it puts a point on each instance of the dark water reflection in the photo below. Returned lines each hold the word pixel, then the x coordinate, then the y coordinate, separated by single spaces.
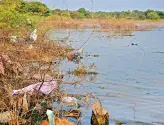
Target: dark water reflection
pixel 131 80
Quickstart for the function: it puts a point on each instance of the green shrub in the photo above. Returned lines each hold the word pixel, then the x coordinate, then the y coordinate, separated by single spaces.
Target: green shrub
pixel 65 14
pixel 152 15
pixel 161 14
pixel 34 7
pixel 12 19
pixel 84 12
pixel 76 15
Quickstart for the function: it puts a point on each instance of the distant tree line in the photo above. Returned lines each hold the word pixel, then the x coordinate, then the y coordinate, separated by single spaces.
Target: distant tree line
pixel 135 14
pixel 17 13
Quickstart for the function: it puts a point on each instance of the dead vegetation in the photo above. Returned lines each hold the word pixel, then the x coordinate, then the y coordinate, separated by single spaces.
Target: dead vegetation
pixel 102 24
pixel 20 61
pixel 114 27
pixel 27 69
pixel 58 22
pixel 82 70
pixel 122 28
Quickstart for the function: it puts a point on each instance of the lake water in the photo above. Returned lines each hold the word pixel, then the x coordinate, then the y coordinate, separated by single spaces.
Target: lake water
pixel 130 83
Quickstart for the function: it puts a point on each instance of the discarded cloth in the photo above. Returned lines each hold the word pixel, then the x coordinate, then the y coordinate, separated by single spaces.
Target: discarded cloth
pixel 46 88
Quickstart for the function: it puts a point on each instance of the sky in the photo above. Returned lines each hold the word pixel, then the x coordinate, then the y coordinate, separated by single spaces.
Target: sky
pixel 106 5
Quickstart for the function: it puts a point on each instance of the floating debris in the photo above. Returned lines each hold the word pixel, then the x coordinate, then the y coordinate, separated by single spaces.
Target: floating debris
pixel 69 101
pixel 72 113
pixel 133 44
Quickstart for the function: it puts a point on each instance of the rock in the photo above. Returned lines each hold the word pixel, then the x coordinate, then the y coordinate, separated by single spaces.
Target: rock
pixel 99 115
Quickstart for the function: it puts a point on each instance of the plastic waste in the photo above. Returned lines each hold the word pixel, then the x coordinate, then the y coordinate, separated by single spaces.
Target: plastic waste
pixel 45 88
pixel 69 101
pixel 33 35
pixel 51 117
pixel 80 50
pixel 69 57
pixel 57 121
